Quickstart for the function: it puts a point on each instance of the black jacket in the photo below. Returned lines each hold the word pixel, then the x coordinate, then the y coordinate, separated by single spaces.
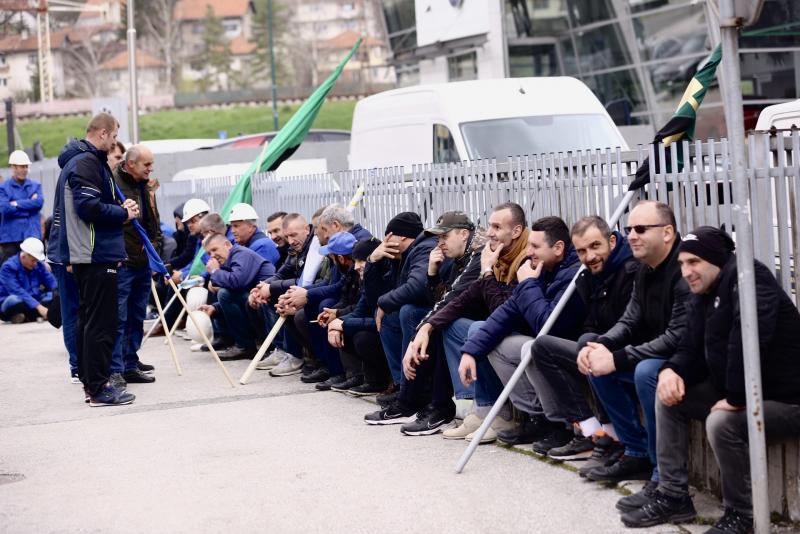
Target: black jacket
pixel 476 302
pixel 291 269
pixel 185 257
pixel 606 295
pixel 655 318
pixel 451 282
pixel 148 218
pixel 712 346
pixel 392 283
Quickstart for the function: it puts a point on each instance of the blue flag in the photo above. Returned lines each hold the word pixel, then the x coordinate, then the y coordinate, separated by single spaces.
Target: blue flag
pixel 156 265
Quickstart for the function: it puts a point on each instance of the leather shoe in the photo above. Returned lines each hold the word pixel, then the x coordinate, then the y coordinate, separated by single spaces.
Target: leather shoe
pixel 145 368
pixel 531 429
pixel 238 353
pixel 137 377
pixel 320 374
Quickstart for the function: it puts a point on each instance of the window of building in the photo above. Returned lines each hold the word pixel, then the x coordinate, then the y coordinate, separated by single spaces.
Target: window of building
pixel 538 60
pixel 444 147
pixel 3 82
pixel 32 59
pixel 462 67
pixel 2 59
pixel 232 27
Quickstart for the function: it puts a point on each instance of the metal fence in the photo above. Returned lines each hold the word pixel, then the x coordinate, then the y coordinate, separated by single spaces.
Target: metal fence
pixel 569 185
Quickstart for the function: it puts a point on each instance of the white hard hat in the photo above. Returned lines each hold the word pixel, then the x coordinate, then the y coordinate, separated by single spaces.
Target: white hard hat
pixel 196 297
pixel 18 157
pixel 204 321
pixel 33 247
pixel 194 206
pixel 243 212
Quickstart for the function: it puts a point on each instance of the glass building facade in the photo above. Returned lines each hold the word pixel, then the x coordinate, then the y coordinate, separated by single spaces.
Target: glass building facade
pixel 638 55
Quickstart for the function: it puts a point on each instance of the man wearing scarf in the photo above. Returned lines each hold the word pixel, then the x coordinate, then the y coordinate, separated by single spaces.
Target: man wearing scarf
pixel 504 252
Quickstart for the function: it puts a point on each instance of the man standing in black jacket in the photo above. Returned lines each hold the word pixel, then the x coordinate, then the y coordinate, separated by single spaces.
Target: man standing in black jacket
pixel 704 380
pixel 605 288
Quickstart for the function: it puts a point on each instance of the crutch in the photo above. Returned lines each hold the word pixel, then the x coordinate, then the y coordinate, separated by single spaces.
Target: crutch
pixel 164 324
pixel 202 333
pixel 528 354
pixel 264 346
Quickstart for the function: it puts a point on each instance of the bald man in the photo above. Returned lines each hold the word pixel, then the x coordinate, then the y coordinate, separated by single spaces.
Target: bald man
pixel 132 175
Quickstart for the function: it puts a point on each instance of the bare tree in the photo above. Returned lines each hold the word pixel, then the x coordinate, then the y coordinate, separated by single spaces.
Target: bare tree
pixel 161 31
pixel 86 50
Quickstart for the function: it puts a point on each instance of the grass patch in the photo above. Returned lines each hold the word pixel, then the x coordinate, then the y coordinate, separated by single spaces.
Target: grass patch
pixel 178 124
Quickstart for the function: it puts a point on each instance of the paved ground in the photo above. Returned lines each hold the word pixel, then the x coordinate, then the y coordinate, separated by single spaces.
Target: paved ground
pixel 194 455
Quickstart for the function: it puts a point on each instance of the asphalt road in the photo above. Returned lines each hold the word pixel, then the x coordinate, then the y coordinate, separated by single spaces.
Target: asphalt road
pixel 194 455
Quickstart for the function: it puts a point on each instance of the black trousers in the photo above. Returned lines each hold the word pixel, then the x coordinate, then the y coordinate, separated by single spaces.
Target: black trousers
pixel 364 350
pixel 96 330
pixel 432 384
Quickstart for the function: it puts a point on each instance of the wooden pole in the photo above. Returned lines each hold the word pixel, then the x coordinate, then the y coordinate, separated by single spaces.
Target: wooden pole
pixel 264 346
pixel 164 325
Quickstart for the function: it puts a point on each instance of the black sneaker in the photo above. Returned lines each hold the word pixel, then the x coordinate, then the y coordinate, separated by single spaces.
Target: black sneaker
pixel 557 436
pixel 430 420
pixel 325 385
pixel 367 388
pixel 732 522
pixel 578 448
pixel 393 414
pixel 111 396
pixel 320 374
pixel 138 377
pixel 388 395
pixel 145 368
pixel 626 468
pixel 606 451
pixel 638 499
pixel 532 428
pixel 348 383
pixel 661 509
pixel 238 353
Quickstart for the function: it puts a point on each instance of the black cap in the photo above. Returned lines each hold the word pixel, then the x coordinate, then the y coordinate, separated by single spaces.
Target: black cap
pixel 709 243
pixel 451 220
pixel 362 249
pixel 406 224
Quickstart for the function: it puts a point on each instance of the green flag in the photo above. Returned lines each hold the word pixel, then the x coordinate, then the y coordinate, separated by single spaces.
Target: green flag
pixel 279 149
pixel 681 125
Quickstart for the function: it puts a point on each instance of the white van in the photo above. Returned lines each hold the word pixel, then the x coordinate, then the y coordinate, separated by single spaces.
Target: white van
pixel 781 116
pixel 478 119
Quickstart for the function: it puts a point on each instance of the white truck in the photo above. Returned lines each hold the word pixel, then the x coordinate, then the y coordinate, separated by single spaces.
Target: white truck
pixel 478 119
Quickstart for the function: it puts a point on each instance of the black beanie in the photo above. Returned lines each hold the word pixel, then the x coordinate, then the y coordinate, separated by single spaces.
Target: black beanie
pixel 406 224
pixel 709 243
pixel 362 249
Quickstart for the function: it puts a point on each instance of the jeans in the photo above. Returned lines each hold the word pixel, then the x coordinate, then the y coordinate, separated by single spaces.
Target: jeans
pixel 13 305
pixel 96 330
pixel 553 371
pixel 621 402
pixel 505 359
pixel 488 386
pixel 68 295
pixel 397 330
pixel 727 435
pixel 454 337
pixel 133 291
pixel 233 305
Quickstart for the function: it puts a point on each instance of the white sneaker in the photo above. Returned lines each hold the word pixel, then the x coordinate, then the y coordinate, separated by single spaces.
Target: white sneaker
pixel 196 347
pixel 289 366
pixel 272 360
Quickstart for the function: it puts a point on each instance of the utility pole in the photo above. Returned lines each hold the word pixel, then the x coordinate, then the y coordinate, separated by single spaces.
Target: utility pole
pixel 730 23
pixel 272 68
pixel 134 91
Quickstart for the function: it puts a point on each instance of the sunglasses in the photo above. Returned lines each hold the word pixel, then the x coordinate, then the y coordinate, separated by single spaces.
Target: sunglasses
pixel 642 228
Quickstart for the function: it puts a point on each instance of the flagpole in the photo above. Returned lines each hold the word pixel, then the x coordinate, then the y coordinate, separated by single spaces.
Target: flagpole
pixel 272 68
pixel 164 325
pixel 134 94
pixel 729 33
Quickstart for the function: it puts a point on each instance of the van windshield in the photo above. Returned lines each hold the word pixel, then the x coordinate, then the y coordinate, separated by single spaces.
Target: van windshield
pixel 517 136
